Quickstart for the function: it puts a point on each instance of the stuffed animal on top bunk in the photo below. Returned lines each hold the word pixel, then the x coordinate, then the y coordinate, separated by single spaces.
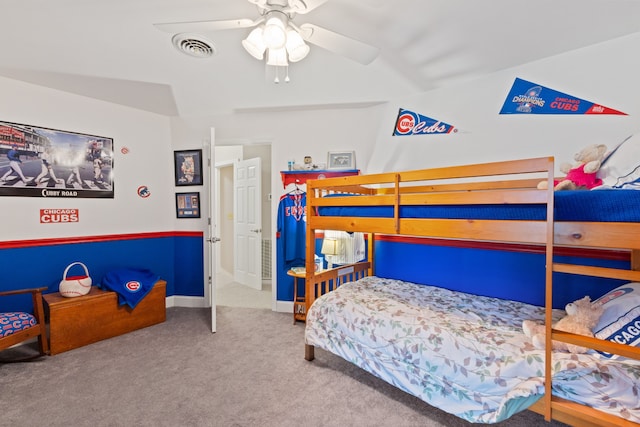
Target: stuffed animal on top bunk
pixel 582 174
pixel 582 316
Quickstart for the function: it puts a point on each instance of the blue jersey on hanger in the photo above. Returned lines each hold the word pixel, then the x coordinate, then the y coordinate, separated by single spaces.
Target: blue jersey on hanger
pixel 292 224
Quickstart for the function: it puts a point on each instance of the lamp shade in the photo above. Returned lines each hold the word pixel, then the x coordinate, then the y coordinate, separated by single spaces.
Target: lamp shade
pixel 254 43
pixel 277 57
pixel 330 246
pixel 296 47
pixel 274 34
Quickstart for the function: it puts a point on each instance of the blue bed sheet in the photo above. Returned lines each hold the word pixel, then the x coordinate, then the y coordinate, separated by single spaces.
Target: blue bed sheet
pixel 606 205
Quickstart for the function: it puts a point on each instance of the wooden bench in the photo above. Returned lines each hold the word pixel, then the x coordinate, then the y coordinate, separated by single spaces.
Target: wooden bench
pixel 75 322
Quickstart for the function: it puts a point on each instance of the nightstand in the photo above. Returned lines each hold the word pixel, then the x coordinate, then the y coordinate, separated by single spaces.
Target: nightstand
pixel 299 303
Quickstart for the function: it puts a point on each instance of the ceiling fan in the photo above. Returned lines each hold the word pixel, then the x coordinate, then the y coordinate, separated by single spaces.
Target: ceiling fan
pixel 276 34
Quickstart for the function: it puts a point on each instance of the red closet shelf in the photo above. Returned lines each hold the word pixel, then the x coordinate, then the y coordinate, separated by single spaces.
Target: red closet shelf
pixel 301 177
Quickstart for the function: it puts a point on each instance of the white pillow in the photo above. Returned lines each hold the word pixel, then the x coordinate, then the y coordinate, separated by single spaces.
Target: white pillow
pixel 620 321
pixel 621 167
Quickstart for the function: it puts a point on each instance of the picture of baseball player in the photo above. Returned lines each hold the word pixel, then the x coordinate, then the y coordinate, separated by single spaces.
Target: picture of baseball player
pixel 74 177
pixel 14 165
pixel 97 170
pixel 43 162
pixel 47 168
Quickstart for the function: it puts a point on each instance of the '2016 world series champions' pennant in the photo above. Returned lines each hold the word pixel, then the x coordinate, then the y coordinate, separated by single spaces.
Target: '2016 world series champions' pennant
pixel 410 123
pixel 530 98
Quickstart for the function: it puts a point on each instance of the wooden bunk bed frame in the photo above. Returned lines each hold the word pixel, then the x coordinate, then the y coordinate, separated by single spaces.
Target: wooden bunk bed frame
pixel 509 182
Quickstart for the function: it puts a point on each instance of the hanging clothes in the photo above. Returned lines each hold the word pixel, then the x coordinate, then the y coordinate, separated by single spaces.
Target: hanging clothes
pixel 292 224
pixel 351 246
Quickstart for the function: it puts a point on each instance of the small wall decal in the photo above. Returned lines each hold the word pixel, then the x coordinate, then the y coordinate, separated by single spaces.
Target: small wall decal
pixel 143 191
pixel 57 216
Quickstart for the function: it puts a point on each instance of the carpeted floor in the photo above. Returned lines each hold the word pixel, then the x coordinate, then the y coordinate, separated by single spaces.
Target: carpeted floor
pixel 250 373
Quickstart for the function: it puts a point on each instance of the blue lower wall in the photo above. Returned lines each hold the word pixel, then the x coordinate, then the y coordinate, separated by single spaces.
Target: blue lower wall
pixel 508 274
pixel 178 258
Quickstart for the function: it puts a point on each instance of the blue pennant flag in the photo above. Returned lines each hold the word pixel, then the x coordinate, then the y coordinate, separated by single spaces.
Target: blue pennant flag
pixel 530 98
pixel 410 123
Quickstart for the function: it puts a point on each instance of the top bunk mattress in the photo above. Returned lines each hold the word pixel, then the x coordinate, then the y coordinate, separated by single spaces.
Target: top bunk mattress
pixel 606 205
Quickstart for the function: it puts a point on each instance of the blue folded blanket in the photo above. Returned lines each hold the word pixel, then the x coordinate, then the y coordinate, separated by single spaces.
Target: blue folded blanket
pixel 131 284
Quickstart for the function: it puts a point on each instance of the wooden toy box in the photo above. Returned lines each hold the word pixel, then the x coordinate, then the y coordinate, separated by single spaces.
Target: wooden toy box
pixel 75 322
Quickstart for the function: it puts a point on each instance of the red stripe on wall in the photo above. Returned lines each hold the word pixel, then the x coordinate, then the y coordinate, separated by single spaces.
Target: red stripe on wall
pixel 614 255
pixel 13 244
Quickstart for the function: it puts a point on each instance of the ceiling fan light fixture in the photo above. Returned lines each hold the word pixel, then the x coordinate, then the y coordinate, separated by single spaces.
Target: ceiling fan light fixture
pixel 296 47
pixel 277 57
pixel 254 43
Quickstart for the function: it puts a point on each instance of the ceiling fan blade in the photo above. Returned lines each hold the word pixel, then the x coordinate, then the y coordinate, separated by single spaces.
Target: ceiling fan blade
pixel 305 6
pixel 205 26
pixel 338 43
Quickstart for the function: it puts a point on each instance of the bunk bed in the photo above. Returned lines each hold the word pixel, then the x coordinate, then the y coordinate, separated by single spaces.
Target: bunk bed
pixel 490 202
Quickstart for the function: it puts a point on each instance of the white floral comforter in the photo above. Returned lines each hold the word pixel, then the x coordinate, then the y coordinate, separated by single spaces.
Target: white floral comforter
pixel 462 353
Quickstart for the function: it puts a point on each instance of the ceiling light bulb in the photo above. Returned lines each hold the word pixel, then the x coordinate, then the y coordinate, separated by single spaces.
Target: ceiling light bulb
pixel 254 43
pixel 296 47
pixel 274 34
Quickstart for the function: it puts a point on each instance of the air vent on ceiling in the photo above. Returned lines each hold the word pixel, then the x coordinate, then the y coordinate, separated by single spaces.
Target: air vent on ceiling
pixel 193 45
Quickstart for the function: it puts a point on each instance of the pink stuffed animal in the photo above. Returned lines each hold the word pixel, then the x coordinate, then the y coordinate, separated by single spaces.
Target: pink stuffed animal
pixel 581 175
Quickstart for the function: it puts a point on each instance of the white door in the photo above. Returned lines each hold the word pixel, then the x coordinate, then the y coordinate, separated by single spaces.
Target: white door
pixel 212 231
pixel 248 223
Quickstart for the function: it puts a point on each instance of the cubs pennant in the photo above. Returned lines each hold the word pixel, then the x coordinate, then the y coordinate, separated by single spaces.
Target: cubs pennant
pixel 530 98
pixel 410 123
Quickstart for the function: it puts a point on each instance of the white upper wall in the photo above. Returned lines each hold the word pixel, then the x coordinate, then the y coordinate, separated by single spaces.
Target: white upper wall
pixel 605 74
pixel 291 134
pixel 149 162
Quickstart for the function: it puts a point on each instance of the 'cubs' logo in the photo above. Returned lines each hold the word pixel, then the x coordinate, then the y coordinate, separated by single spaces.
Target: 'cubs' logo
pixel 143 191
pixel 405 124
pixel 133 286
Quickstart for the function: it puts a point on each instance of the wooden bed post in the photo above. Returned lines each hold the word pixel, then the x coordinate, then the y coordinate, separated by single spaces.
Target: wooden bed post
pixel 371 253
pixel 309 352
pixel 309 294
pixel 548 317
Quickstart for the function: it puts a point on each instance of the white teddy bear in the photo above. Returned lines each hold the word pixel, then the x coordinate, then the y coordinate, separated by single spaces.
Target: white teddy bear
pixel 582 316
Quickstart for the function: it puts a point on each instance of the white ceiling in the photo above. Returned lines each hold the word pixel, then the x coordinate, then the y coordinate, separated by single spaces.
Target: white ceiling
pixel 110 49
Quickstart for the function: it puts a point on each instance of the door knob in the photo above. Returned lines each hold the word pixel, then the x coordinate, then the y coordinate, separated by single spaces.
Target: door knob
pixel 257 230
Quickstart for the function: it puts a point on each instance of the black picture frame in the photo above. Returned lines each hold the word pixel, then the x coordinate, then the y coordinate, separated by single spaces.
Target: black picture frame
pixel 52 163
pixel 188 167
pixel 188 205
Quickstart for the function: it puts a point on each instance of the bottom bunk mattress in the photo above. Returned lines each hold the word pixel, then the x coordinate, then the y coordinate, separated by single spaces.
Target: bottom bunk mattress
pixel 462 353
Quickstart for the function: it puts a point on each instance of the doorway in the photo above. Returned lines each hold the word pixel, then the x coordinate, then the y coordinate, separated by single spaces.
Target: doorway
pixel 228 291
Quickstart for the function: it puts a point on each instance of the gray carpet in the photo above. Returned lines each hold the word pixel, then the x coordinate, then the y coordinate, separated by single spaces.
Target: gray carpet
pixel 250 373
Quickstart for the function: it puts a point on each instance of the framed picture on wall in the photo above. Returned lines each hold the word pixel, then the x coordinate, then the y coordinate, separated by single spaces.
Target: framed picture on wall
pixel 341 160
pixel 188 205
pixel 188 167
pixel 44 162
